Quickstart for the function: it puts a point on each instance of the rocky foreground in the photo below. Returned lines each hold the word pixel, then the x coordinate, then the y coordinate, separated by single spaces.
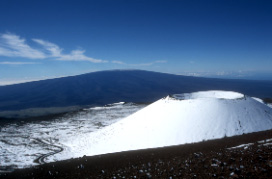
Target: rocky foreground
pixel 246 156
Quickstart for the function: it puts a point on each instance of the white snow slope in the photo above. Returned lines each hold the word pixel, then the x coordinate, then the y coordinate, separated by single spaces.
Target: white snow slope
pixel 180 119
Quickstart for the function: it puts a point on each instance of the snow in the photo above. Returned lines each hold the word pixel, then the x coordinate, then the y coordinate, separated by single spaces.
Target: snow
pixel 173 120
pixel 210 94
pixel 261 101
pixel 177 119
pixel 22 142
pixel 245 146
pixel 258 99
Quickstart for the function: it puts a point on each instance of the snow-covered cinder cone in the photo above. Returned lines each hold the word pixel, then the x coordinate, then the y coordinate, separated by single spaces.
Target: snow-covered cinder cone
pixel 180 119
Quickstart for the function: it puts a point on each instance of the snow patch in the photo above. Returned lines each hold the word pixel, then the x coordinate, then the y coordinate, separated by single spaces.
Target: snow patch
pixel 258 99
pixel 245 146
pixel 209 94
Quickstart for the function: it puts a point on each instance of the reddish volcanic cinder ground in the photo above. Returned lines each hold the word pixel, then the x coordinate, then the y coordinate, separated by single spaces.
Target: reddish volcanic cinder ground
pixel 221 158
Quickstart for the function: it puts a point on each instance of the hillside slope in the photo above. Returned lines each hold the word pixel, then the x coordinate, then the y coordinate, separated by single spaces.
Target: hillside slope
pixel 100 88
pixel 244 156
pixel 175 120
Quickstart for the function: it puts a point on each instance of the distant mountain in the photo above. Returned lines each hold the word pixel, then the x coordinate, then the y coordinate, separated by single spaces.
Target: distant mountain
pixel 175 120
pixel 100 88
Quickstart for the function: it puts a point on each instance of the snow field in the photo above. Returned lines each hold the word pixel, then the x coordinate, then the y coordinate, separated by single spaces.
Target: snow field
pixel 186 118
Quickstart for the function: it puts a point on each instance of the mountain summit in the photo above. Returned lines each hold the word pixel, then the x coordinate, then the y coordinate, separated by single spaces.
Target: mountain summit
pixel 180 119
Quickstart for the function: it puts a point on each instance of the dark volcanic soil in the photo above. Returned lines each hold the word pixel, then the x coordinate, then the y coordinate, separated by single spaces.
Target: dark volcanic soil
pixel 210 159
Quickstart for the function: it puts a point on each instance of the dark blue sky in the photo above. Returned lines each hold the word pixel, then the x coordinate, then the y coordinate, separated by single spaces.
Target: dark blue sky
pixel 228 39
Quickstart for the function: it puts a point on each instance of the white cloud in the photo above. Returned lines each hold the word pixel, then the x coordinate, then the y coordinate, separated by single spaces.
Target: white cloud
pixel 218 74
pixel 17 63
pixel 13 46
pixel 150 63
pixel 192 62
pixel 160 61
pixel 118 62
pixel 52 48
pixel 78 55
pixel 75 55
pixel 139 64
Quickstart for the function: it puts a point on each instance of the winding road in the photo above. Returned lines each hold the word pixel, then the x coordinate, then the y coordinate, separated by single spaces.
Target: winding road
pixel 41 159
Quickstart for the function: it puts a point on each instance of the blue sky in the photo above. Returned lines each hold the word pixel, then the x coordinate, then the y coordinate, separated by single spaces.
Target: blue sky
pixel 52 38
